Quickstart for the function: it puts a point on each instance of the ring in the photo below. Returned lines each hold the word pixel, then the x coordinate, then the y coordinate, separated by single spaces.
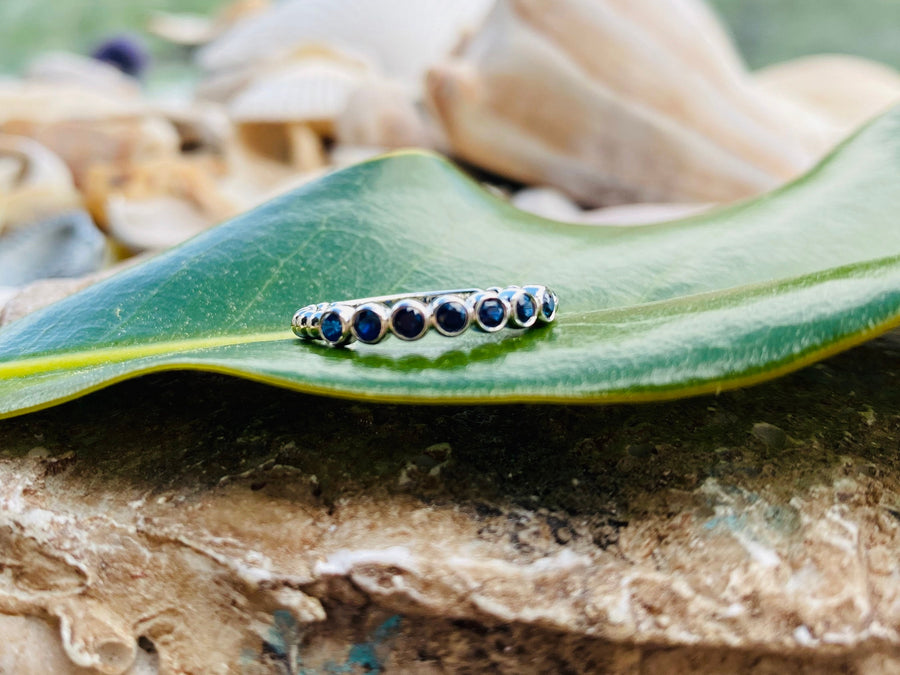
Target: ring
pixel 409 315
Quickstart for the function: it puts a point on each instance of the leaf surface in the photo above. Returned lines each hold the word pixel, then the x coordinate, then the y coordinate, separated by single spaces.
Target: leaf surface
pixel 722 300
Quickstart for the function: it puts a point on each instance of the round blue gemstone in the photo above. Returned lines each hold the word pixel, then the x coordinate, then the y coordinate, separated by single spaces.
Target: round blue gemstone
pixel 451 317
pixel 525 308
pixel 408 322
pixel 331 327
pixel 367 325
pixel 548 306
pixel 491 313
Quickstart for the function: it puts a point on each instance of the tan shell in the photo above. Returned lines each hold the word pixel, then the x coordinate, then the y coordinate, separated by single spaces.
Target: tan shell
pixel 400 37
pixel 282 109
pixel 847 90
pixel 201 126
pixel 85 126
pixel 83 143
pixel 617 101
pixel 34 183
pixel 381 113
pixel 156 204
pixel 43 102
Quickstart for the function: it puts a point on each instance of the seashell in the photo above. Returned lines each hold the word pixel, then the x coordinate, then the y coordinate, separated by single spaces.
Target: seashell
pixel 201 126
pixel 281 114
pixel 617 101
pixel 156 204
pixel 34 183
pixel 551 203
pixel 84 126
pixel 65 245
pixel 295 145
pixel 221 87
pixel 847 90
pixel 45 103
pixel 155 223
pixel 381 113
pixel 401 38
pixel 197 29
pixel 250 176
pixel 83 143
pixel 68 69
pixel 313 90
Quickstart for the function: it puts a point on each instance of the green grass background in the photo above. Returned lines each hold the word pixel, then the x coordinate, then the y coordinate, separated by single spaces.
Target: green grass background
pixel 766 30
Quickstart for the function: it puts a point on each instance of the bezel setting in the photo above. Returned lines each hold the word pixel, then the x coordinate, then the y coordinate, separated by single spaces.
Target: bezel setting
pixel 544 295
pixel 516 296
pixel 409 305
pixel 436 309
pixel 300 320
pixel 477 302
pixel 382 312
pixel 343 314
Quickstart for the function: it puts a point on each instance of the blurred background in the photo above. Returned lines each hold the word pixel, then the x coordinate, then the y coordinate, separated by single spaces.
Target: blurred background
pixel 766 31
pixel 128 127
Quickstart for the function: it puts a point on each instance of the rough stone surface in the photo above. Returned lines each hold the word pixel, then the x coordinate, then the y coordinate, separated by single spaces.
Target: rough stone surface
pixel 195 523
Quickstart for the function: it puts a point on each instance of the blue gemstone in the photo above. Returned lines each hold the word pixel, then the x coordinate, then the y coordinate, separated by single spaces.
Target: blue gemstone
pixel 331 327
pixel 451 317
pixel 548 306
pixel 525 308
pixel 491 313
pixel 408 322
pixel 367 325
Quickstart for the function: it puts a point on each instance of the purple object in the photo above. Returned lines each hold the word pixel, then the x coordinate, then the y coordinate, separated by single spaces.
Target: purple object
pixel 126 52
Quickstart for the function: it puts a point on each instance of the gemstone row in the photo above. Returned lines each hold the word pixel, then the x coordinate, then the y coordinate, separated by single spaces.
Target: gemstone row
pixel 410 317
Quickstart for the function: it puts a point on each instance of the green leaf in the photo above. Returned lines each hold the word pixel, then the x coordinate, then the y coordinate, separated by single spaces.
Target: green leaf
pixel 728 299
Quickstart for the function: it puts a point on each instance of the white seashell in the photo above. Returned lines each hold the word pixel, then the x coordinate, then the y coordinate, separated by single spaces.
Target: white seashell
pixel 847 90
pixel 221 87
pixel 67 69
pixel 154 223
pixel 553 204
pixel 401 37
pixel 34 182
pixel 65 245
pixel 381 113
pixel 616 101
pixel 308 90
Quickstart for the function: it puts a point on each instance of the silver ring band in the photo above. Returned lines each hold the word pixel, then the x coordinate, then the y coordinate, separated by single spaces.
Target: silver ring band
pixel 409 316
